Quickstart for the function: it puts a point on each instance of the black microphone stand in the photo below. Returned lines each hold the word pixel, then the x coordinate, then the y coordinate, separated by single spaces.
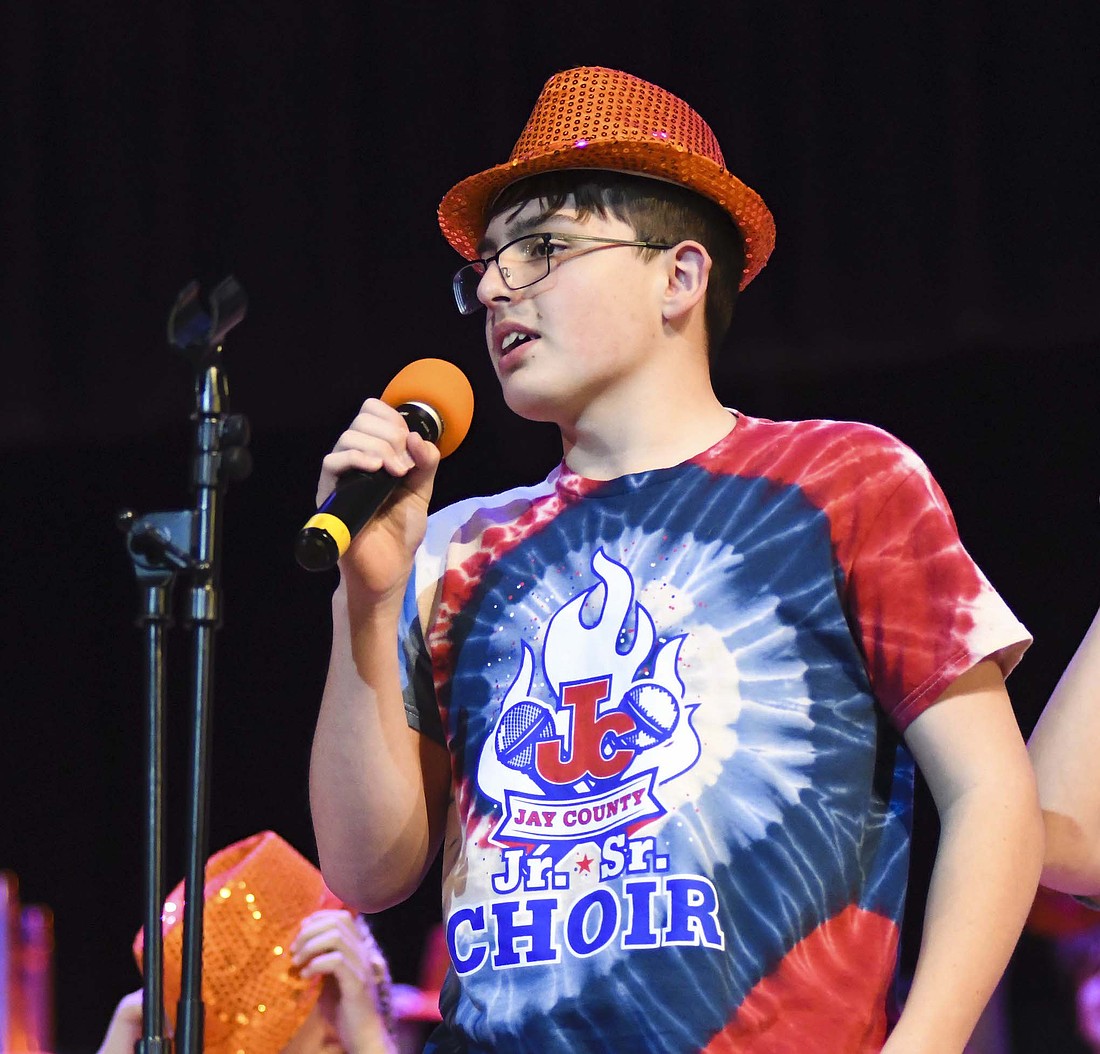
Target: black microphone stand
pixel 161 546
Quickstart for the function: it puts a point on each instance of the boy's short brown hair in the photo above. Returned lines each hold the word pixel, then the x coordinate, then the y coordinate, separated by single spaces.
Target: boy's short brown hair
pixel 658 212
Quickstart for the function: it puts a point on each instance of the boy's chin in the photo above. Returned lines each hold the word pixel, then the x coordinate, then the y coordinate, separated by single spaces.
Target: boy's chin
pixel 530 405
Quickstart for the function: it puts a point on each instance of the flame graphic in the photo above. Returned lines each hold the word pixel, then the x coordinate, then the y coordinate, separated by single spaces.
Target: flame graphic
pixel 575 651
pixel 615 642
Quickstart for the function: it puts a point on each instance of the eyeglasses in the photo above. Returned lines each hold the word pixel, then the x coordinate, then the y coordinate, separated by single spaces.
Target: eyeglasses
pixel 528 260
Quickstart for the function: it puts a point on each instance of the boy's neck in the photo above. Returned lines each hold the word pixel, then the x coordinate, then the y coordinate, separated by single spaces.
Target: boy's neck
pixel 665 430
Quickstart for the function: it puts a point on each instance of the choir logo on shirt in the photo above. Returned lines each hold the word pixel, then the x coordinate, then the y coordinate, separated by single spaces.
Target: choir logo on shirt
pixel 590 762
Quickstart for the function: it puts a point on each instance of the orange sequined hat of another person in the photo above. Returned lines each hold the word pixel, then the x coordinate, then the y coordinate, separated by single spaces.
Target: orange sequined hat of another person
pixel 256 894
pixel 591 117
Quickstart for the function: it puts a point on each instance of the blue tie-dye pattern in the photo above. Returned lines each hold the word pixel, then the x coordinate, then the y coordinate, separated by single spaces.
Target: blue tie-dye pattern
pixel 844 842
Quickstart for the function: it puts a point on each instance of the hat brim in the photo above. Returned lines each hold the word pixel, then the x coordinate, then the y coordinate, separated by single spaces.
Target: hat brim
pixel 463 208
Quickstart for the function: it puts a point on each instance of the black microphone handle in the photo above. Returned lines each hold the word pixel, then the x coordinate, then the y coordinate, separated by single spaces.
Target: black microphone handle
pixel 357 497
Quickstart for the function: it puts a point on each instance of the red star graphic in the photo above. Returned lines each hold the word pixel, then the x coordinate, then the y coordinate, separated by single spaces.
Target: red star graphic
pixel 584 863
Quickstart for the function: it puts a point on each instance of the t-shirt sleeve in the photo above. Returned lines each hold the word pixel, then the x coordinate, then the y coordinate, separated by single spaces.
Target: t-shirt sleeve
pixel 923 610
pixel 417 683
pixel 452 531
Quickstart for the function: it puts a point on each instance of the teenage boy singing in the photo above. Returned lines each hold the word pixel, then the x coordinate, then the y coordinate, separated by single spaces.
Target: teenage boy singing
pixel 661 709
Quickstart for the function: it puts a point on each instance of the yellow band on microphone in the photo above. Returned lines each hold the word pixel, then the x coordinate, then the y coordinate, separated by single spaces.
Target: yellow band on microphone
pixel 336 528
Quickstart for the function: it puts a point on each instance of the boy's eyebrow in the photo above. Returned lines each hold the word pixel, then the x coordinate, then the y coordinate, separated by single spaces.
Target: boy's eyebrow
pixel 487 246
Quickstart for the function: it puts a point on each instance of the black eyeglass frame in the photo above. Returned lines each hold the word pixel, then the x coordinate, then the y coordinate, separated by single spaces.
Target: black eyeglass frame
pixel 478 267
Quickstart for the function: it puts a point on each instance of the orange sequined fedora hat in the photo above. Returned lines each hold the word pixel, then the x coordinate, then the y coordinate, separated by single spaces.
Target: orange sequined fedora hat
pixel 256 893
pixel 592 117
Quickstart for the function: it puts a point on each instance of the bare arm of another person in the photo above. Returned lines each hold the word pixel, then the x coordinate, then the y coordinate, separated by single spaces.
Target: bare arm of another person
pixel 970 751
pixel 378 789
pixel 1064 749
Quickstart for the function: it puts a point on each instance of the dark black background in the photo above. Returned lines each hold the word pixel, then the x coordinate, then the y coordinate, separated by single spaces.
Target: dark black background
pixel 931 168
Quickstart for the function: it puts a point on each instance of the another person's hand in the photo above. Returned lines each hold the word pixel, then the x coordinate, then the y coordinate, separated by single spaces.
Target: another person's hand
pixel 125 1027
pixel 339 947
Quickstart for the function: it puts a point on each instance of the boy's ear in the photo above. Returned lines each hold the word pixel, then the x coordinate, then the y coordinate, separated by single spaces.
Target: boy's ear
pixel 688 274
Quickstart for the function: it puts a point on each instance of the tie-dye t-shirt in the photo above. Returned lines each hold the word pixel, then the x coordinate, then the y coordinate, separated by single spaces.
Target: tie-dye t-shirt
pixel 673 704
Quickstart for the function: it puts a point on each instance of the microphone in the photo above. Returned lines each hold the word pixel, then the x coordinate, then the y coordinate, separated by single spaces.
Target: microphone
pixel 437 402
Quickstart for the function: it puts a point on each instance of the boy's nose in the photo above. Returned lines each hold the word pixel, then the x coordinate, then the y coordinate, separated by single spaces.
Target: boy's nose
pixel 492 286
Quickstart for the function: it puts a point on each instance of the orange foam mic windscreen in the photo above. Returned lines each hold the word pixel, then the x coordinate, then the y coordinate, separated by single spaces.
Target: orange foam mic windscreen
pixel 442 386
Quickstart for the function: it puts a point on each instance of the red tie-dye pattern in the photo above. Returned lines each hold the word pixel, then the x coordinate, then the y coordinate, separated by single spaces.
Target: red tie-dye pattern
pixel 909 583
pixel 815 1001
